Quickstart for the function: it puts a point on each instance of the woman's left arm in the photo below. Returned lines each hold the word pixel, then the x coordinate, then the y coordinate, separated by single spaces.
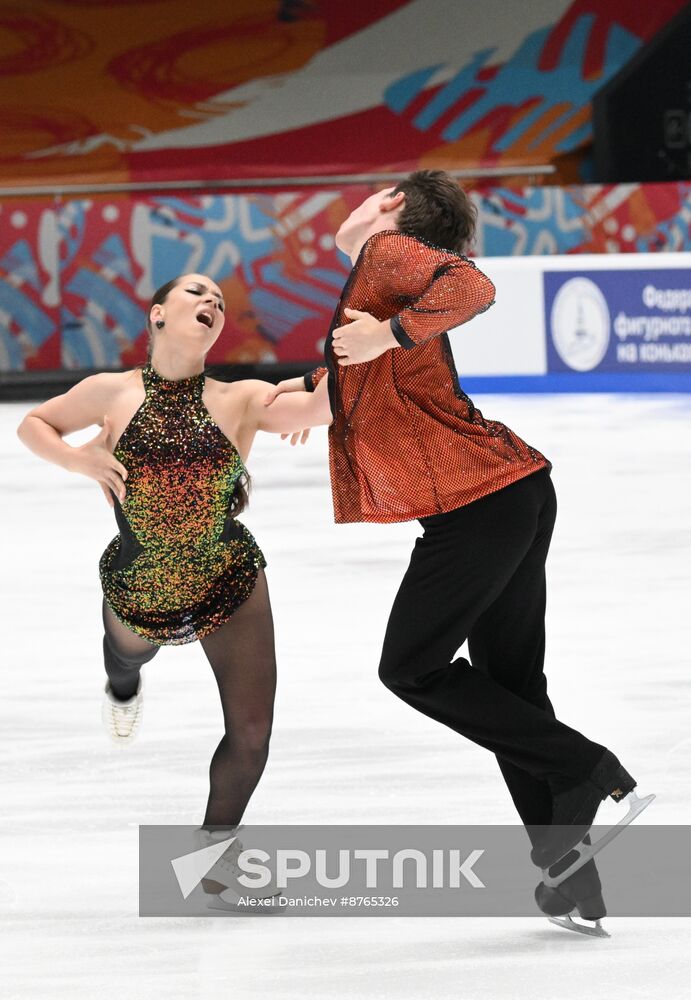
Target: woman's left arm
pixel 288 413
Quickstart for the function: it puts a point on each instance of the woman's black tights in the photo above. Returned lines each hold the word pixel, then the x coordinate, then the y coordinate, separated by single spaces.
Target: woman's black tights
pixel 242 657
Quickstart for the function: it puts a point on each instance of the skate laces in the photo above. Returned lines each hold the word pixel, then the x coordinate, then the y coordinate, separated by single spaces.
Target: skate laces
pixel 125 716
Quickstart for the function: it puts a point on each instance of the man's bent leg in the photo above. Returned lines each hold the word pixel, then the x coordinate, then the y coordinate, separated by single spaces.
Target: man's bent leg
pixel 459 567
pixel 507 643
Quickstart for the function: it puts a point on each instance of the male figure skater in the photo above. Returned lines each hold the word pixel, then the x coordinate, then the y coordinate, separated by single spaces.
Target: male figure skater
pixel 407 443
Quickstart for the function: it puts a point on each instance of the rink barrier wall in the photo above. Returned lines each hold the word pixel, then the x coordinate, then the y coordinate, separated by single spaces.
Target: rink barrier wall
pixel 581 323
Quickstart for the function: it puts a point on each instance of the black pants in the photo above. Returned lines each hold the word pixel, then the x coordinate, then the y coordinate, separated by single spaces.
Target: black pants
pixel 478 573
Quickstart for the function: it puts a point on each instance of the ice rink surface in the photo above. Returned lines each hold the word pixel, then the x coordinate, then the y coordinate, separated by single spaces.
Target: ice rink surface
pixel 344 749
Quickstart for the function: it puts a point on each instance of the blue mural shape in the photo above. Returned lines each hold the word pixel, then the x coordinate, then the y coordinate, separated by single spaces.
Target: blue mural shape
pixel 516 84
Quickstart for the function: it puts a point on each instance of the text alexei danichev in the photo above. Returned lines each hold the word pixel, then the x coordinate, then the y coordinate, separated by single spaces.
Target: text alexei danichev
pixel 271 901
pixel 317 901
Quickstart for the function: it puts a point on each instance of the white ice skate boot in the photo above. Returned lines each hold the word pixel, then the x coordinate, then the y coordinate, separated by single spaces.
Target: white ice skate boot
pixel 122 719
pixel 220 883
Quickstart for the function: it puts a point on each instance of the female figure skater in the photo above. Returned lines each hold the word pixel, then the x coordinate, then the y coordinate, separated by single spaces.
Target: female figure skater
pixel 170 458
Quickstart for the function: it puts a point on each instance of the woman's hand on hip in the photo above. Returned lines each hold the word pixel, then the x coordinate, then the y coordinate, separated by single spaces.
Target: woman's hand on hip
pixel 96 460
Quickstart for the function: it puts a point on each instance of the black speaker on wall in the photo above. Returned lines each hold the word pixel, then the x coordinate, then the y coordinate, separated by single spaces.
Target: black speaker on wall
pixel 642 116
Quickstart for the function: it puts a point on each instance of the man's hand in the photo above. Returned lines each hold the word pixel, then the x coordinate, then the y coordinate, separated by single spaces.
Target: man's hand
pixel 362 340
pixel 287 385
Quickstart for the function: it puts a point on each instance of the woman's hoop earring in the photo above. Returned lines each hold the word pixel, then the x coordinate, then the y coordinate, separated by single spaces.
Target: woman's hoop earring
pixel 160 324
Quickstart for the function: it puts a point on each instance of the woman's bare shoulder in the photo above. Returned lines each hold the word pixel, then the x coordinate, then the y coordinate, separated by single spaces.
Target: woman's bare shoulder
pixel 112 381
pixel 87 401
pixel 239 391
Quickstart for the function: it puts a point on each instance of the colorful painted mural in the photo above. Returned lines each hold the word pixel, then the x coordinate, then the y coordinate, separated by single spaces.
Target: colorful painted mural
pixel 151 90
pixel 76 276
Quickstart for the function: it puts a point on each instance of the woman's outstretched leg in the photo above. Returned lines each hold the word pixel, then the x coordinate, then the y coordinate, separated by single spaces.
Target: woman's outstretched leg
pixel 242 656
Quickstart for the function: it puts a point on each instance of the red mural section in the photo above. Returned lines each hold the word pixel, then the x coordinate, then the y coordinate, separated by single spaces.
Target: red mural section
pixel 154 90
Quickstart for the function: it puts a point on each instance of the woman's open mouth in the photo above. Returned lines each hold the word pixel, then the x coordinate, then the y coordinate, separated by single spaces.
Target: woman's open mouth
pixel 206 317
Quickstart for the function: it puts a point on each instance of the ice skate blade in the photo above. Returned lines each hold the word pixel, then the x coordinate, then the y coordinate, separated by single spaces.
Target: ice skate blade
pixel 597 930
pixel 585 852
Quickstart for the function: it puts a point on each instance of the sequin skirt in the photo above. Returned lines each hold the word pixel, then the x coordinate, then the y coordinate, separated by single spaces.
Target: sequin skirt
pixel 171 597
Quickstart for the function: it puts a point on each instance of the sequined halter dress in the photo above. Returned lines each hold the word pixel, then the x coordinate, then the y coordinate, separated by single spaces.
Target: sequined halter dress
pixel 181 564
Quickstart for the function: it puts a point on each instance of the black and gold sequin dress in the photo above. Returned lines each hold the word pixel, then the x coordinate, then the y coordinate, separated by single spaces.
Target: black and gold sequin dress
pixel 181 564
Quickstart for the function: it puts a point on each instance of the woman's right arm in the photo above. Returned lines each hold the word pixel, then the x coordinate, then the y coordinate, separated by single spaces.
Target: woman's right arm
pixel 84 405
pixel 290 414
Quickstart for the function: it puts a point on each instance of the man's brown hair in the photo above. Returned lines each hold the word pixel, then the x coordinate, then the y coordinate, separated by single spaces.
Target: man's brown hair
pixel 437 209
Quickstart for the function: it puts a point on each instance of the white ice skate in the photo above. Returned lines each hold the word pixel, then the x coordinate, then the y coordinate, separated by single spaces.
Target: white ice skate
pixel 220 883
pixel 122 719
pixel 584 852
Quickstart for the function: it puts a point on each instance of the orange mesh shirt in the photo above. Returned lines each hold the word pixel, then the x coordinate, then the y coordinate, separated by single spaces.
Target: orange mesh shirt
pixel 406 441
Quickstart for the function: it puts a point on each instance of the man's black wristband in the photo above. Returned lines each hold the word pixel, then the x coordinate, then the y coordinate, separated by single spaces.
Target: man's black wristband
pixel 400 334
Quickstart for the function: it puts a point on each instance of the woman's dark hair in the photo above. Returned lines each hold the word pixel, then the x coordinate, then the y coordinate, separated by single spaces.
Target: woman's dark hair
pixel 437 210
pixel 157 299
pixel 243 484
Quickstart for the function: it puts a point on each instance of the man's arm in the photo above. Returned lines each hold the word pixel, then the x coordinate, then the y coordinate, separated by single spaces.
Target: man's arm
pixel 458 292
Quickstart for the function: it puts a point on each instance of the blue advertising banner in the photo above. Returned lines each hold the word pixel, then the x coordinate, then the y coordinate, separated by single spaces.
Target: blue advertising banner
pixel 618 321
